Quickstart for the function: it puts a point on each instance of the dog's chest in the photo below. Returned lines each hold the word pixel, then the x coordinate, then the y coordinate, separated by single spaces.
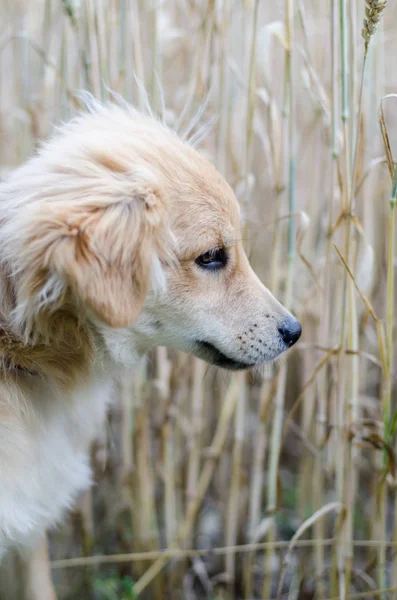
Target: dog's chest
pixel 44 460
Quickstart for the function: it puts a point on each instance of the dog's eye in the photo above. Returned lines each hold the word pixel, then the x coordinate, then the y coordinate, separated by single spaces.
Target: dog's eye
pixel 212 260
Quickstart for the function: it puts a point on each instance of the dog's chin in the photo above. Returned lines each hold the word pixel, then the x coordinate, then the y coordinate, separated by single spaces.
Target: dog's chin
pixel 212 355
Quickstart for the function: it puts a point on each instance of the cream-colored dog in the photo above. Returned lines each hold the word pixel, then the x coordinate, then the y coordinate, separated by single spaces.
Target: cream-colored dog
pixel 116 237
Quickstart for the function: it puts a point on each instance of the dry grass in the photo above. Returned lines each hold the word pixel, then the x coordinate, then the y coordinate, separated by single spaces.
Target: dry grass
pixel 279 484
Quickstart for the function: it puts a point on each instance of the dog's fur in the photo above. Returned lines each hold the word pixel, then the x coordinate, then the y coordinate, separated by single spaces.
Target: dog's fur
pixel 99 236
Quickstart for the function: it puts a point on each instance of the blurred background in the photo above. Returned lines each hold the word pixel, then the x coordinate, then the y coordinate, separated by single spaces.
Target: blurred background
pixel 279 483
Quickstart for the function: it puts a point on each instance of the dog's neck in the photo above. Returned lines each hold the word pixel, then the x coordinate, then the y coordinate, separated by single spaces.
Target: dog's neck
pixel 12 359
pixel 14 355
pixel 62 346
pixel 59 346
pixel 66 352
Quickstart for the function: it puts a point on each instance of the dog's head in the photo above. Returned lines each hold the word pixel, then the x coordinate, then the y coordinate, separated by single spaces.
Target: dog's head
pixel 118 218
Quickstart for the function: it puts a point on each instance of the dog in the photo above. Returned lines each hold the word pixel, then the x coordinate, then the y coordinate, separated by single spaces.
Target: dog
pixel 114 238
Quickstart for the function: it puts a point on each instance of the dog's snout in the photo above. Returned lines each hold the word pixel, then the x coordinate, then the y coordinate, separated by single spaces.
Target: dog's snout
pixel 290 331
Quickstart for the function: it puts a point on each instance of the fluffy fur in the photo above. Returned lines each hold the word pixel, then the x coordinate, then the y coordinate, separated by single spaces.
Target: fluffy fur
pixel 100 234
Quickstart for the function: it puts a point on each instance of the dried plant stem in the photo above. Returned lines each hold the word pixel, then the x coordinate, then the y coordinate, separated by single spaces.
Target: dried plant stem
pixel 306 424
pixel 224 91
pixel 348 300
pixel 163 387
pixel 127 454
pixel 268 571
pixel 287 112
pixel 257 478
pixel 206 474
pixel 277 426
pixel 100 32
pixel 155 85
pixel 251 101
pixel 355 124
pixel 233 514
pixel 388 354
pixel 353 408
pixel 324 510
pixel 197 424
pixel 342 370
pixel 93 45
pixel 353 416
pixel 389 346
pixel 389 312
pixel 145 521
pixel 232 520
pixel 323 393
pixel 192 553
pixel 257 475
pixel 138 51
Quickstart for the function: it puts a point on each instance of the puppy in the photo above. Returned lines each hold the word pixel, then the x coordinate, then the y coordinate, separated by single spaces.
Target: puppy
pixel 114 238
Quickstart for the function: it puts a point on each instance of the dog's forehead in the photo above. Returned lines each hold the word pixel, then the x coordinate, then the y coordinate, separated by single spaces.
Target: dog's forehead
pixel 200 211
pixel 208 195
pixel 202 221
pixel 199 197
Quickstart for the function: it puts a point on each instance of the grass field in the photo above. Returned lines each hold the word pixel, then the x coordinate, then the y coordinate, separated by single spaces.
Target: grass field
pixel 279 483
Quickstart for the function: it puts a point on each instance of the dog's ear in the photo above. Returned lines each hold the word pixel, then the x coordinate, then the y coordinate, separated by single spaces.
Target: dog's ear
pixel 104 251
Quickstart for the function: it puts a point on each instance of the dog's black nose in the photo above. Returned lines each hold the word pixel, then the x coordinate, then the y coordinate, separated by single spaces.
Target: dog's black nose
pixel 290 332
